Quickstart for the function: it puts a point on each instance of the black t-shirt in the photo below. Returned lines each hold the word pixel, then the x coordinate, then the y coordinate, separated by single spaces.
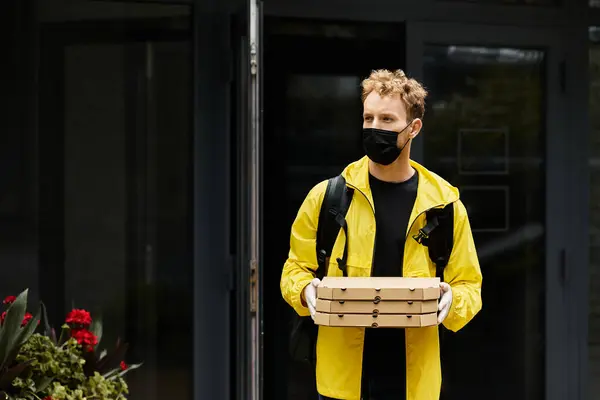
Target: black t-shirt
pixel 384 357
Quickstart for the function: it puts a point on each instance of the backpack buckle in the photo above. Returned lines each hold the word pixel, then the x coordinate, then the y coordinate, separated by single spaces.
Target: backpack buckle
pixel 322 256
pixel 421 237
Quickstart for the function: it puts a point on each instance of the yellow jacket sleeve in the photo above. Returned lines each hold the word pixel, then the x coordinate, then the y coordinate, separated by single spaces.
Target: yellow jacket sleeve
pixel 300 267
pixel 463 273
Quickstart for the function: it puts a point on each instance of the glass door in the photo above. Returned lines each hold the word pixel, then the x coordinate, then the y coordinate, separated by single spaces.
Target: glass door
pixel 493 128
pixel 313 119
pixel 114 188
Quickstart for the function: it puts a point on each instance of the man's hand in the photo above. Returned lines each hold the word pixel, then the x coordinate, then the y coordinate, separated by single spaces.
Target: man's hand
pixel 445 301
pixel 310 295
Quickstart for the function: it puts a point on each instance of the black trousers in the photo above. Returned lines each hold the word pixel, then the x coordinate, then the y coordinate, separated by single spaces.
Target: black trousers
pixel 373 392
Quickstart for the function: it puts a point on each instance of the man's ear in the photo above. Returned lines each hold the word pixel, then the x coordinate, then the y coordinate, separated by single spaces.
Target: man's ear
pixel 416 128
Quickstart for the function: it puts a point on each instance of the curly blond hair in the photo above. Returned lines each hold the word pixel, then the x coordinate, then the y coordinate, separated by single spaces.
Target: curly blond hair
pixel 390 83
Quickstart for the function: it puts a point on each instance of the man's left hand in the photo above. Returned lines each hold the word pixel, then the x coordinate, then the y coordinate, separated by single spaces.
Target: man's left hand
pixel 445 301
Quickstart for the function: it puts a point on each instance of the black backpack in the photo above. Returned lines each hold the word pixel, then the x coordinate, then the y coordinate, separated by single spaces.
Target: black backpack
pixel 437 235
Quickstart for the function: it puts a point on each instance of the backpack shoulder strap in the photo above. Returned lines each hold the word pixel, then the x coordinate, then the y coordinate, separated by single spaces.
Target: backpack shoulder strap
pixel 332 217
pixel 438 235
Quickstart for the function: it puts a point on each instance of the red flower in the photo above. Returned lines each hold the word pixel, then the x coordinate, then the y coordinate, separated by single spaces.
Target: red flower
pixel 85 338
pixel 48 398
pixel 81 318
pixel 123 366
pixel 26 319
pixel 9 300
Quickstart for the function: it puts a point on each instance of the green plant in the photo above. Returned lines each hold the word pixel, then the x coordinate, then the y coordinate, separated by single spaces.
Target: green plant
pixel 95 387
pixel 48 363
pixel 36 366
pixel 16 327
pixel 57 372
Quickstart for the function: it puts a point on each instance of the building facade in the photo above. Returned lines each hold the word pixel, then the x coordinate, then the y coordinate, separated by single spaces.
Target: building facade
pixel 154 154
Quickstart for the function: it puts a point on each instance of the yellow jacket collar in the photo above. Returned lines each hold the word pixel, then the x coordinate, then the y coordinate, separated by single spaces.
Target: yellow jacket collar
pixel 433 191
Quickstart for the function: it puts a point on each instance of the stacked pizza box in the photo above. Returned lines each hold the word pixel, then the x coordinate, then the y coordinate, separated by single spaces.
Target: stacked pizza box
pixel 377 302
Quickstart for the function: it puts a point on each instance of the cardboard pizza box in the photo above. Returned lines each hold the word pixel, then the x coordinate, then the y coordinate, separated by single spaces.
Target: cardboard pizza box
pixel 376 320
pixel 379 307
pixel 378 289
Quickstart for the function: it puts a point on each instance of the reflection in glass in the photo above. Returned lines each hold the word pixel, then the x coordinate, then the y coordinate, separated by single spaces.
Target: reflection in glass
pixel 486 105
pixel 94 161
pixel 126 212
pixel 517 2
pixel 18 181
pixel 323 110
pixel 594 165
pixel 321 128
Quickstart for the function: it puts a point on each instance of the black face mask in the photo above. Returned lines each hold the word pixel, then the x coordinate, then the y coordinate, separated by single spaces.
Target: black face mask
pixel 381 145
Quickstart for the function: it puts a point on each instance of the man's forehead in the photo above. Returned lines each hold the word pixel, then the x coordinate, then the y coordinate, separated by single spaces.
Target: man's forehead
pixel 380 104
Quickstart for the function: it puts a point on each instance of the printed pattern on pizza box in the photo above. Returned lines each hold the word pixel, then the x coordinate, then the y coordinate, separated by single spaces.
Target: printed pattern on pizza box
pixel 378 307
pixel 376 288
pixel 376 320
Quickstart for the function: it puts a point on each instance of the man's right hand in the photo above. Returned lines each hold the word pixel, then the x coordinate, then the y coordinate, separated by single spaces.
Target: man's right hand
pixel 310 295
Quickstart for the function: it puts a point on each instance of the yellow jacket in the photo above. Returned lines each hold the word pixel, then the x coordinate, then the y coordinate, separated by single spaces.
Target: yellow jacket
pixel 340 350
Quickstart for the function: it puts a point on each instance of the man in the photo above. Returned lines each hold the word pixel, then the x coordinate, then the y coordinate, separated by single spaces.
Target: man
pixel 392 194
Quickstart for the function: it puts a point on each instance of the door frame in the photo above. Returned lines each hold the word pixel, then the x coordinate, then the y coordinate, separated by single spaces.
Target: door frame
pixel 559 362
pixel 255 168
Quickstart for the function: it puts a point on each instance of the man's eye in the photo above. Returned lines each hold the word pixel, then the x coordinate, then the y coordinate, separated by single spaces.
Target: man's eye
pixel 387 119
pixel 368 118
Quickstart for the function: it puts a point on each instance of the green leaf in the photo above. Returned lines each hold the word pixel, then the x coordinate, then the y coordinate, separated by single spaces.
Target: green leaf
pixel 9 375
pixel 53 337
pixel 44 383
pixel 113 358
pixel 96 327
pixel 23 335
pixel 30 328
pixel 64 329
pixel 112 373
pixel 48 331
pixel 130 368
pixel 12 326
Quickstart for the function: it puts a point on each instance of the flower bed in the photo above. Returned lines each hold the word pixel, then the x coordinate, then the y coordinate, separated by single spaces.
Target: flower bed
pixel 40 366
